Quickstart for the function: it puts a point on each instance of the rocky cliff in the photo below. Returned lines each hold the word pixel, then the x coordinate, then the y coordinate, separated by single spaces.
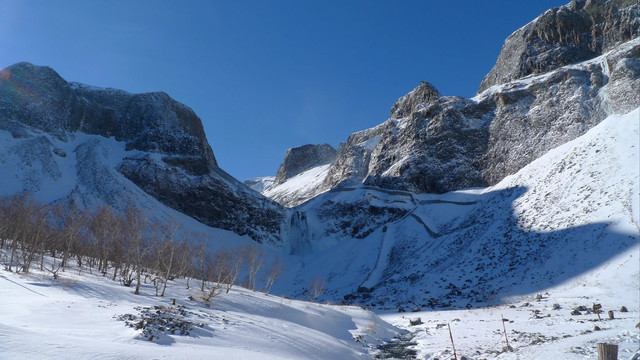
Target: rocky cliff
pixel 566 35
pixel 435 143
pixel 172 161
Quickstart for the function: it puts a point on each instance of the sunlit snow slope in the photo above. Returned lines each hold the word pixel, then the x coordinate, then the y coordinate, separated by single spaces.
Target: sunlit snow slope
pixel 81 317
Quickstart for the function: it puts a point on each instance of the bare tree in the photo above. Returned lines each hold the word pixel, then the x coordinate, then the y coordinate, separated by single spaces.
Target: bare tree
pixel 316 288
pixel 105 228
pixel 168 252
pixel 135 225
pixel 273 273
pixel 253 256
pixel 72 223
pixel 202 257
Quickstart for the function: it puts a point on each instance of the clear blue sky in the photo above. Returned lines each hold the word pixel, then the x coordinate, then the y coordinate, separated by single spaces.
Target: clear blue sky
pixel 265 76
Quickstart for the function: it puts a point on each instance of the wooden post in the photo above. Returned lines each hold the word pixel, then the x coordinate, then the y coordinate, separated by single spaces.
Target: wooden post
pixel 610 314
pixel 607 351
pixel 597 308
pixel 505 333
pixel 454 347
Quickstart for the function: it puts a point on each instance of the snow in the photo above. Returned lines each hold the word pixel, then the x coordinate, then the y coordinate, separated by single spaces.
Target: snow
pixel 371 144
pixel 75 317
pixel 299 188
pixel 573 217
pixel 584 185
pixel 261 184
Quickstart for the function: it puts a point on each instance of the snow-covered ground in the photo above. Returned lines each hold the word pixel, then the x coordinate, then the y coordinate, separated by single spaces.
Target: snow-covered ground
pixel 82 316
pixel 534 329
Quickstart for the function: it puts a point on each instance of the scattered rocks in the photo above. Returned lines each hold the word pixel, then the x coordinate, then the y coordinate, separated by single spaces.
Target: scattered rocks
pixel 398 348
pixel 160 320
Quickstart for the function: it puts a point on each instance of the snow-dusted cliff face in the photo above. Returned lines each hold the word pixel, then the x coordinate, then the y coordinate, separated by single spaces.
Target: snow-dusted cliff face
pixel 566 35
pixel 166 153
pixel 434 143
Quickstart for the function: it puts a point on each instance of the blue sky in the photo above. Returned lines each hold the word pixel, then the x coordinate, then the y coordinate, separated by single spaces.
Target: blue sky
pixel 265 76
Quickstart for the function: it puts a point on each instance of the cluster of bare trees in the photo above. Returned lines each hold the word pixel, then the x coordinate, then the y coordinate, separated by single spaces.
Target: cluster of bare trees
pixel 126 246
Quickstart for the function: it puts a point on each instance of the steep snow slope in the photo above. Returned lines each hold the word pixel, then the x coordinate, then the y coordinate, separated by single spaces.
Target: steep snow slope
pixel 81 317
pixel 570 214
pixel 83 169
pixel 299 188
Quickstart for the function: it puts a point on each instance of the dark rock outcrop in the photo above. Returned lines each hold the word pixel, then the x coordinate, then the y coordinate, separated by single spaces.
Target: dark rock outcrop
pixel 566 35
pixel 182 173
pixel 300 159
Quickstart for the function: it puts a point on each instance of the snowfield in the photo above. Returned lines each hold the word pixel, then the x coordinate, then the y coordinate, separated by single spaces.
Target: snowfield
pixel 77 317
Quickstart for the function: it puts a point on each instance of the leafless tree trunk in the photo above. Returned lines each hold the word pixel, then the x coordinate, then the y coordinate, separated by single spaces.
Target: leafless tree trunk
pixel 273 273
pixel 135 225
pixel 168 248
pixel 254 257
pixel 316 288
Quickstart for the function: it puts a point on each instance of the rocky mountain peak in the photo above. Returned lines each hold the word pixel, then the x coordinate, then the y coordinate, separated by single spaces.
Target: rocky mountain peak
pixel 410 103
pixel 38 97
pixel 302 158
pixel 576 32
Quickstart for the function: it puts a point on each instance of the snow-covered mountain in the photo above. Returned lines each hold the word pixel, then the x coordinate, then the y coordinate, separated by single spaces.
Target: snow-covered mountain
pixel 573 211
pixel 69 142
pixel 391 208
pixel 404 214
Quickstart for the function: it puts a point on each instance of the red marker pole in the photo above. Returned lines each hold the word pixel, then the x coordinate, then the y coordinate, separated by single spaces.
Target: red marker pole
pixel 505 331
pixel 452 345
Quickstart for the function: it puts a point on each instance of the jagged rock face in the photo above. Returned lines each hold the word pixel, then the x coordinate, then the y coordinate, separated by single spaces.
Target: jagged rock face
pixel 576 32
pixel 425 146
pixel 38 97
pixel 434 143
pixel 179 168
pixel 302 158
